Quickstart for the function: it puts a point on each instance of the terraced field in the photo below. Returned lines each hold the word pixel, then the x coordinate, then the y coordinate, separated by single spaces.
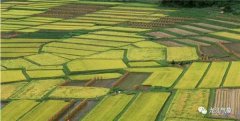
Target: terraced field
pixel 85 60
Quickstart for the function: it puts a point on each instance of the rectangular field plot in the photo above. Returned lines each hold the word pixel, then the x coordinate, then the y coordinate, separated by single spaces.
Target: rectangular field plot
pixel 227 98
pixel 67 51
pixel 15 109
pixel 191 42
pixel 148 44
pixel 131 80
pixel 185 105
pixel 87 77
pixel 228 35
pixel 45 73
pixel 120 34
pixel 163 78
pixel 233 75
pixel 78 92
pixel 135 54
pixel 215 75
pixel 77 46
pixel 144 64
pixel 12 76
pixel 193 75
pixel 9 89
pixel 180 31
pixel 45 111
pixel 210 26
pixel 161 35
pixel 150 103
pixel 94 65
pixel 108 108
pixel 47 59
pixel 181 54
pixel 36 89
pixel 111 54
pixel 110 38
pixel 197 28
pixel 95 42
pixel 127 29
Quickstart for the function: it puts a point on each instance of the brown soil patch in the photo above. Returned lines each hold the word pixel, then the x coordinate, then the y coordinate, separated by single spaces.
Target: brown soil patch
pixel 71 10
pixel 227 98
pixel 192 42
pixel 197 28
pixel 210 26
pixel 214 52
pixel 160 35
pixel 169 43
pixel 210 39
pixel 233 47
pixel 162 22
pixel 180 31
pixel 133 80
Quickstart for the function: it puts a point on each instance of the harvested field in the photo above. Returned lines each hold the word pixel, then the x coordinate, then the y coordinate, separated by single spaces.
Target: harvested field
pixel 214 52
pixel 192 42
pixel 227 98
pixel 160 35
pixel 158 23
pixel 225 22
pixel 197 28
pixel 181 31
pixel 107 83
pixel 210 26
pixel 70 10
pixel 233 47
pixel 210 39
pixel 133 80
pixel 170 43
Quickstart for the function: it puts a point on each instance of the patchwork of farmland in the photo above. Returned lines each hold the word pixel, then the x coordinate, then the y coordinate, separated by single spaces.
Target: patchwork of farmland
pixel 117 61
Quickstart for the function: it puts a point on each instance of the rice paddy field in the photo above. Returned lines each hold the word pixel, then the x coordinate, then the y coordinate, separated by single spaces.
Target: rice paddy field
pixel 86 60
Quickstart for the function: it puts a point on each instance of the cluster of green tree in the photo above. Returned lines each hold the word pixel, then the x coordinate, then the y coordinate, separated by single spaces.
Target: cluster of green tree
pixel 225 5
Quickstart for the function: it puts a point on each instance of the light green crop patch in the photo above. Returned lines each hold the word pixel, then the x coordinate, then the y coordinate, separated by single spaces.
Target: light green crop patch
pixel 149 44
pixel 15 109
pixel 111 54
pixel 140 54
pixel 9 89
pixel 12 76
pixel 94 65
pixel 47 59
pixel 163 78
pixel 228 35
pixel 144 64
pixel 182 54
pixel 88 77
pixel 45 73
pixel 36 89
pixel 78 92
pixel 109 108
pixel 39 113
